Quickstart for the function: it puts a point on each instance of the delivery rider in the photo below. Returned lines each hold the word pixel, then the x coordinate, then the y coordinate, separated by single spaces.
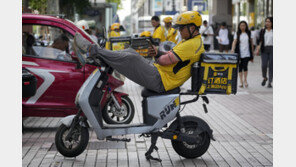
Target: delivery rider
pixel 174 66
pixel 158 34
pixel 114 32
pixel 170 33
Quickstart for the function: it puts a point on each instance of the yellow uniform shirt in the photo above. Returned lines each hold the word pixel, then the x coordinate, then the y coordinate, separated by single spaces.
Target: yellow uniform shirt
pixel 159 33
pixel 172 35
pixel 188 51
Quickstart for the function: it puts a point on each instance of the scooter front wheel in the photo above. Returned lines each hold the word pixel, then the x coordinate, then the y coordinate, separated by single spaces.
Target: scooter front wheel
pixel 77 142
pixel 192 150
pixel 125 115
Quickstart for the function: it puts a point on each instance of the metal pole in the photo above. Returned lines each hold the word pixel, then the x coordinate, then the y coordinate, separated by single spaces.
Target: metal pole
pixel 163 10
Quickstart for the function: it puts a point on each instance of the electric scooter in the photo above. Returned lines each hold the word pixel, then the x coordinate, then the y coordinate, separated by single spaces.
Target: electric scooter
pixel 190 135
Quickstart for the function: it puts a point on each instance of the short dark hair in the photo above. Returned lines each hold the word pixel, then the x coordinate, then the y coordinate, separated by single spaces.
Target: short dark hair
pixel 223 24
pixel 271 20
pixel 205 22
pixel 156 18
pixel 62 37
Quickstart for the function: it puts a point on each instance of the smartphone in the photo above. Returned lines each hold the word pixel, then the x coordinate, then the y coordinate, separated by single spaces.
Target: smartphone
pixel 150 45
pixel 149 42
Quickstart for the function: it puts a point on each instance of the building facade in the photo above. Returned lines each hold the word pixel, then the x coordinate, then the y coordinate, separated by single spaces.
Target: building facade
pixel 214 11
pixel 252 11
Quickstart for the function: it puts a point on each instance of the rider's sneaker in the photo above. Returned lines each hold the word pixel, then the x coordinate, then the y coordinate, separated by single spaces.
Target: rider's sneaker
pixel 81 43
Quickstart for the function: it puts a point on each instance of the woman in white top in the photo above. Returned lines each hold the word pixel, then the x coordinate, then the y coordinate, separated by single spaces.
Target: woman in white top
pixel 266 47
pixel 243 46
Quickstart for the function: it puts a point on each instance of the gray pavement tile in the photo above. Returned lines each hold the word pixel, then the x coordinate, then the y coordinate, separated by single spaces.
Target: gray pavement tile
pixel 90 158
pixel 225 154
pixel 49 158
pixel 178 163
pixel 188 162
pixel 209 161
pixel 199 162
pixel 262 151
pixel 80 160
pixel 218 159
pixel 142 158
pixel 67 162
pixel 133 158
pixel 235 154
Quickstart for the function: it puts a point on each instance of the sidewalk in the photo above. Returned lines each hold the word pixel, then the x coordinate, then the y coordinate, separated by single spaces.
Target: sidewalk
pixel 242 126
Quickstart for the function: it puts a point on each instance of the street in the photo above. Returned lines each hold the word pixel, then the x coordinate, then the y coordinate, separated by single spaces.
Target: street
pixel 242 125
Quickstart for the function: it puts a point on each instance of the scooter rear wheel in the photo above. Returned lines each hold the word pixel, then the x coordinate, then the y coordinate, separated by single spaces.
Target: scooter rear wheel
pixel 192 150
pixel 76 145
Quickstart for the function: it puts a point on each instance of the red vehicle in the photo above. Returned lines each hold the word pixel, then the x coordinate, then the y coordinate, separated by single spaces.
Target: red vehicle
pixel 49 56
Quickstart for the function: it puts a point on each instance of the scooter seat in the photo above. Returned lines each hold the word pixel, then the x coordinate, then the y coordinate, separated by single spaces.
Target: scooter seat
pixel 147 93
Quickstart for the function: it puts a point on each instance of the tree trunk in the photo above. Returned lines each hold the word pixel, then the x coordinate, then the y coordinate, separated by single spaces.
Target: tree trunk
pixel 53 7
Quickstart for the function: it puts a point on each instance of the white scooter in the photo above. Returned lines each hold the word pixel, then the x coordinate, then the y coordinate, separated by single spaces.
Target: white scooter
pixel 190 135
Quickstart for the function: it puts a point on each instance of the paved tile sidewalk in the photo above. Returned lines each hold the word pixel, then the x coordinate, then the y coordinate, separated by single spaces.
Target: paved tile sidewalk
pixel 242 126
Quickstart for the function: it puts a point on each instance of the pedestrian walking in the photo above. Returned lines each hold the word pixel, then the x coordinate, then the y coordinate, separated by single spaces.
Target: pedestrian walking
pixel 243 46
pixel 266 48
pixel 223 39
pixel 254 36
pixel 207 34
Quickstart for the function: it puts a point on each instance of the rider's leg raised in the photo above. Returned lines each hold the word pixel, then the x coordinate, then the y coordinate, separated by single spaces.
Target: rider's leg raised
pixel 128 62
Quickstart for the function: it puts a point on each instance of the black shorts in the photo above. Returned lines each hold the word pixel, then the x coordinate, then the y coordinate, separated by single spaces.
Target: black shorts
pixel 223 48
pixel 243 64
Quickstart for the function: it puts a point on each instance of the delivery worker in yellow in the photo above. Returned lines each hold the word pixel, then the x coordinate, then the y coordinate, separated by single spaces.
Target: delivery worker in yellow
pixel 115 32
pixel 170 70
pixel 170 33
pixel 158 34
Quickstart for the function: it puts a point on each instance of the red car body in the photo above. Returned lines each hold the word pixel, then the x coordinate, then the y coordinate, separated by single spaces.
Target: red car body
pixel 58 81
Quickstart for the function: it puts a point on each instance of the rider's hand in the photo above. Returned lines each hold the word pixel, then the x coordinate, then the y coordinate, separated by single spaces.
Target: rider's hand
pixel 152 51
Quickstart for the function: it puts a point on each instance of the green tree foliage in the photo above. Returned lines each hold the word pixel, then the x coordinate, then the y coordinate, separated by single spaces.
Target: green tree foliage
pixel 67 6
pixel 40 5
pixel 119 6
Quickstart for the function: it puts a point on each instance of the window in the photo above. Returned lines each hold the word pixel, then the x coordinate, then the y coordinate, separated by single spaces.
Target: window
pixel 47 42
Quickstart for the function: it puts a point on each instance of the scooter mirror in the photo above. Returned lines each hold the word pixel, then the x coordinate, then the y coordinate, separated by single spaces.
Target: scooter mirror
pixel 104 32
pixel 102 42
